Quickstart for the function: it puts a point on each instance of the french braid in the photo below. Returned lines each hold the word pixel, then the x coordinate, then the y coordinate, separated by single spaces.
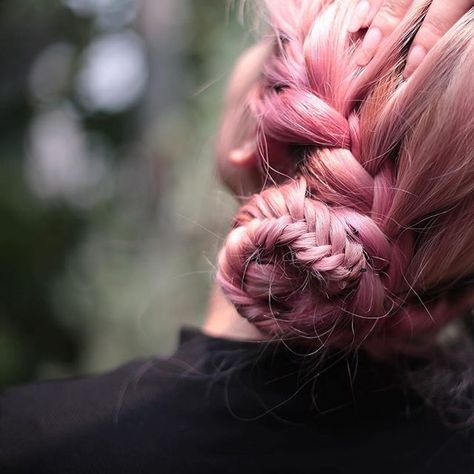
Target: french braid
pixel 320 257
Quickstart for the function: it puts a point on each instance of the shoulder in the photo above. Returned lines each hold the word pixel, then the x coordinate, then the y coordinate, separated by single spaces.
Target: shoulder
pixel 51 421
pixel 130 419
pixel 45 400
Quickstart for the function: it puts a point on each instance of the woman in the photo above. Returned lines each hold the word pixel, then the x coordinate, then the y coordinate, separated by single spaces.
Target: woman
pixel 337 343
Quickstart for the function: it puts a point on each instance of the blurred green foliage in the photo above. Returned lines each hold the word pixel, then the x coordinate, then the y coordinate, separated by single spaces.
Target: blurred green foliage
pixel 110 215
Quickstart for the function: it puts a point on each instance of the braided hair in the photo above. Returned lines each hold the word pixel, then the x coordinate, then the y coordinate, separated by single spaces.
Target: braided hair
pixel 369 240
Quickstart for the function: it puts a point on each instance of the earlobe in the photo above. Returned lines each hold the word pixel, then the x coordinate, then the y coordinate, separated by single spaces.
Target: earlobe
pixel 244 155
pixel 240 170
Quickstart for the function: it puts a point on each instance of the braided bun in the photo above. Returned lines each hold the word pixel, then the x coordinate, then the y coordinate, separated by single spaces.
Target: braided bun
pixel 343 252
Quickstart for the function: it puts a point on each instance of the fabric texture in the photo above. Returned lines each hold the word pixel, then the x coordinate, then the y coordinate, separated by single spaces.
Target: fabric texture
pixel 223 406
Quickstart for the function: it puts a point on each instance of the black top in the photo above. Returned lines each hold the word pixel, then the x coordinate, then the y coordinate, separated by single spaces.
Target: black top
pixel 222 406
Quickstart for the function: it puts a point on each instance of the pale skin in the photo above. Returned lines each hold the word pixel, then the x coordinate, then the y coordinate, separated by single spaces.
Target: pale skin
pixel 236 156
pixel 237 164
pixel 381 17
pixel 224 321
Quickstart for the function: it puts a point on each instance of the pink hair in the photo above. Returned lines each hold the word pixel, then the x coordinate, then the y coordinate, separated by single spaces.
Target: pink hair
pixel 371 241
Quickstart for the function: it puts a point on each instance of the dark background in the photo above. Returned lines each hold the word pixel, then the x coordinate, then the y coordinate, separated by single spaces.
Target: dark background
pixel 110 212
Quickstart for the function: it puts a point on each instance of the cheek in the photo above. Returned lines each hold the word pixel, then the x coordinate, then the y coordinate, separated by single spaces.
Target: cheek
pixel 232 133
pixel 237 161
pixel 235 146
pixel 243 164
pixel 247 160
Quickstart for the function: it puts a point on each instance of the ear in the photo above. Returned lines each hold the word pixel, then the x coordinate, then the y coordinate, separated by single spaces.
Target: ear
pixel 241 171
pixel 245 155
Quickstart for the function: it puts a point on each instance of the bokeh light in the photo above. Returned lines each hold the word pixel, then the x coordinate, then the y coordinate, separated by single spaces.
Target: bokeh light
pixel 114 72
pixel 111 211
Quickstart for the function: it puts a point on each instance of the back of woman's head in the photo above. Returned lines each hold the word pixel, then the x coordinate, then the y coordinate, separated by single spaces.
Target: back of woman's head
pixel 368 238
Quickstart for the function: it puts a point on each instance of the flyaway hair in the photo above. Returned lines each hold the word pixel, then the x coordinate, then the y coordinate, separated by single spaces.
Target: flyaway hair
pixel 369 242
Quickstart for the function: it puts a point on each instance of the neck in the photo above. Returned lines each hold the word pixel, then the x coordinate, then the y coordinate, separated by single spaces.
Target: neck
pixel 223 320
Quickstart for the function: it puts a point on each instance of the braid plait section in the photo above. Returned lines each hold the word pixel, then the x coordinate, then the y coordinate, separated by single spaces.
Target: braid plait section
pixel 320 257
pixel 294 265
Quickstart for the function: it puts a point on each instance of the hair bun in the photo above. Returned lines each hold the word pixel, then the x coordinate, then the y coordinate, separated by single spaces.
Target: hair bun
pixel 294 265
pixel 370 240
